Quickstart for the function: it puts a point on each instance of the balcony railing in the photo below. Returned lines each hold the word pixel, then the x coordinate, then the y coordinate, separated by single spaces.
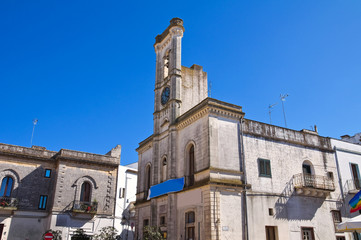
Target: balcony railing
pixel 85 207
pixel 313 181
pixel 353 185
pixel 8 203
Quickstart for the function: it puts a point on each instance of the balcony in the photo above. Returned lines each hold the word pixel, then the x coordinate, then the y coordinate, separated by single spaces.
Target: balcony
pixel 85 207
pixel 353 185
pixel 8 203
pixel 313 185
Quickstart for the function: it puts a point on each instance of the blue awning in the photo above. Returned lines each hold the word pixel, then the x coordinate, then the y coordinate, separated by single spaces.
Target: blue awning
pixel 172 185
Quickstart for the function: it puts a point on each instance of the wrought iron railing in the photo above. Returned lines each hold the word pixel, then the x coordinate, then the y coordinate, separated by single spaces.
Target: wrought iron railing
pixel 353 185
pixel 8 203
pixel 85 207
pixel 313 181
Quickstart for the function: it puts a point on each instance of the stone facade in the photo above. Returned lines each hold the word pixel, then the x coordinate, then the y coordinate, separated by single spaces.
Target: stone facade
pixel 243 179
pixel 49 194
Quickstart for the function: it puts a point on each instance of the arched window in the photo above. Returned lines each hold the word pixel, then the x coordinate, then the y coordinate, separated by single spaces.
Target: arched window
pixel 85 194
pixel 307 167
pixel 6 186
pixel 166 64
pixel 164 169
pixel 191 166
pixel 190 227
pixel 308 172
pixel 147 180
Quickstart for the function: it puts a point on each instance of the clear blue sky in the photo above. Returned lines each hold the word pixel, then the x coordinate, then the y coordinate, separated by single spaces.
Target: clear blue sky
pixel 86 69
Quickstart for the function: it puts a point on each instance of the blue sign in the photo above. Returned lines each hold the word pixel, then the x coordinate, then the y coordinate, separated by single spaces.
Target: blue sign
pixel 172 185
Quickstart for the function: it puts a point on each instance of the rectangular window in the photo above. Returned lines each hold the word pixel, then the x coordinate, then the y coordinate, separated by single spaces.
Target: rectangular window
pixel 47 173
pixel 271 233
pixel 340 238
pixel 145 222
pixel 307 233
pixel 264 167
pixel 121 192
pixel 42 202
pixel 336 216
pixel 355 175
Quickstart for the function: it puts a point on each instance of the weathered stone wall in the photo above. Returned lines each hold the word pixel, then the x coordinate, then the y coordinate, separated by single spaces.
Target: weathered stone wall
pixel 29 180
pixel 69 169
pixel 196 134
pixel 224 143
pixel 287 150
pixel 194 87
pixel 73 174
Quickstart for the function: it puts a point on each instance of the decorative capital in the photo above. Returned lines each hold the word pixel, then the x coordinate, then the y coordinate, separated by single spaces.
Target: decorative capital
pixel 176 22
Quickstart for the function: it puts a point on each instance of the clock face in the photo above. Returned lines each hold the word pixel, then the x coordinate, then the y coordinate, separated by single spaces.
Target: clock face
pixel 165 95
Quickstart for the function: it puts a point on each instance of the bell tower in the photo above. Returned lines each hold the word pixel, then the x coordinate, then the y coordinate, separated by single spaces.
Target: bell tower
pixel 168 83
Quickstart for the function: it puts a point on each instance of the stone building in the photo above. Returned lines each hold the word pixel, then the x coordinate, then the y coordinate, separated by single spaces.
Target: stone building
pixel 208 173
pixel 65 190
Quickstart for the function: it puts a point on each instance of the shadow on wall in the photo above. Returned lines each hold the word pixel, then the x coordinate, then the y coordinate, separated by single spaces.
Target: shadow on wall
pixel 126 235
pixel 294 207
pixel 28 192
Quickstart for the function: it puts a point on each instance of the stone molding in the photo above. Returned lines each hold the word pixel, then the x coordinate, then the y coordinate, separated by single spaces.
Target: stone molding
pixel 13 174
pixel 46 155
pixel 209 106
pixel 174 23
pixel 87 157
pixel 289 136
pixel 145 145
pixel 32 153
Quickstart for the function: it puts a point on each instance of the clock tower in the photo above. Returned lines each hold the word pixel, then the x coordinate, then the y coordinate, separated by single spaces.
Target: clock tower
pixel 177 88
pixel 177 92
pixel 168 79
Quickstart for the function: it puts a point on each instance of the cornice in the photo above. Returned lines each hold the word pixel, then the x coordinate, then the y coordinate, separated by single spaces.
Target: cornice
pixel 267 131
pixel 85 157
pixel 212 107
pixel 145 144
pixel 63 154
pixel 175 22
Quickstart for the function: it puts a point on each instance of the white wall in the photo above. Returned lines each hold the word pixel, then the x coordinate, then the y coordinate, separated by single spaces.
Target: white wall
pixel 126 190
pixel 346 154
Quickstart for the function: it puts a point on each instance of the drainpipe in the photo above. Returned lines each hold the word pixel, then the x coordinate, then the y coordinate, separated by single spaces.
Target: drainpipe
pixel 115 199
pixel 339 175
pixel 244 193
pixel 125 196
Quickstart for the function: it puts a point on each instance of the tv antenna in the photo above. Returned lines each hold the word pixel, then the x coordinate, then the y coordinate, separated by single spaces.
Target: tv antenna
pixel 270 110
pixel 283 98
pixel 35 121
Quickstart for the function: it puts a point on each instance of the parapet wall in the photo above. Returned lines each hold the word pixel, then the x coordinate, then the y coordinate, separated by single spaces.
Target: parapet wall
pixel 303 138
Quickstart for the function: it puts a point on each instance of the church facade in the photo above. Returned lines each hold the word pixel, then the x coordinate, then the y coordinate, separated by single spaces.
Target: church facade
pixel 206 172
